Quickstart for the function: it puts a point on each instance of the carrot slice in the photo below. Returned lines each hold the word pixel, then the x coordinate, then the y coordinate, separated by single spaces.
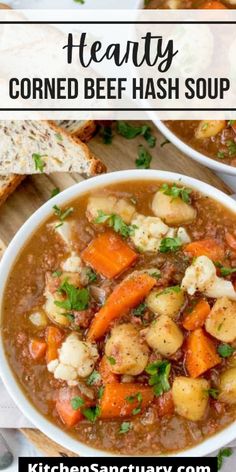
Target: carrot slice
pixel 66 413
pixel 37 349
pixel 128 294
pixel 109 255
pixel 201 353
pixel 124 400
pixel 205 247
pixel 197 317
pixel 105 372
pixel 231 240
pixel 213 5
pixel 54 338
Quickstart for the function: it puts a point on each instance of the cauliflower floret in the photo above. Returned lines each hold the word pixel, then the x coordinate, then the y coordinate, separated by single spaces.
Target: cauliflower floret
pixel 149 232
pixel 110 205
pixel 201 276
pixel 76 359
pixel 183 235
pixel 72 264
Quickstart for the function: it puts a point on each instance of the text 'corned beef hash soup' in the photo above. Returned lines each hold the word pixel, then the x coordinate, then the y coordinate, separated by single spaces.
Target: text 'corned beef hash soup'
pixel 119 318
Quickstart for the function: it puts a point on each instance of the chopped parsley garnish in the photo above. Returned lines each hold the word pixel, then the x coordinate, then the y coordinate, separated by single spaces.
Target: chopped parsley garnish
pixel 55 192
pixel 91 413
pixel 221 154
pixel 92 276
pixel 100 392
pixel 111 360
pixel 125 427
pixel 107 135
pixel 62 214
pixel 170 245
pixel 76 299
pixel 82 2
pixel 231 145
pixel 164 143
pixel 205 125
pixel 140 310
pixel 227 452
pixel 144 158
pixel 159 372
pixel 77 402
pixel 224 271
pixel 116 223
pixel 175 192
pixel 93 378
pixel 225 350
pixel 57 273
pixel 213 392
pixel 231 122
pixel 174 288
pixel 137 397
pixel 39 162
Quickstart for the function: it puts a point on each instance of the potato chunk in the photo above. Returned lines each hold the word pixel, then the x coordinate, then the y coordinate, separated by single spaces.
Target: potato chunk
pixel 207 129
pixel 128 350
pixel 110 205
pixel 190 397
pixel 221 321
pixel 55 313
pixel 172 210
pixel 164 302
pixel 164 336
pixel 228 386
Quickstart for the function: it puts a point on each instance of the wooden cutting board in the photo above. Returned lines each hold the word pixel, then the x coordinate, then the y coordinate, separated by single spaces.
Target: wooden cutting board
pixel 34 191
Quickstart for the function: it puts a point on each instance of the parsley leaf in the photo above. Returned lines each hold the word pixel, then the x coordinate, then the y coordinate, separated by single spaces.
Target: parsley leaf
pixel 174 288
pixel 92 276
pixel 125 427
pixel 225 350
pixel 111 360
pixel 175 192
pixel 38 161
pixel 213 392
pixel 144 158
pixel 231 122
pixel 55 192
pixel 91 413
pixel 82 2
pixel 77 299
pixel 221 154
pixel 231 145
pixel 107 135
pixel 139 398
pixel 170 245
pixel 129 131
pixel 140 310
pixel 227 452
pixel 226 271
pixel 115 222
pixel 59 136
pixel 57 273
pixel 93 378
pixel 62 214
pixel 100 392
pixel 77 402
pixel 159 372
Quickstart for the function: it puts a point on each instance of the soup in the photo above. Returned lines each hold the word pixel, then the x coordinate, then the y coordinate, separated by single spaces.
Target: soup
pixel 215 139
pixel 191 4
pixel 119 318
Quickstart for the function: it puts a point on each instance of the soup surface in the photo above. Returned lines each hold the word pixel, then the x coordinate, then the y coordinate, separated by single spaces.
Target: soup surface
pixel 190 4
pixel 215 139
pixel 119 318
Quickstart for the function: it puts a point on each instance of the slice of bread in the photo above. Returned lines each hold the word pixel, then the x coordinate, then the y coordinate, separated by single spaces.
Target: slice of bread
pixel 82 129
pixel 23 142
pixel 8 184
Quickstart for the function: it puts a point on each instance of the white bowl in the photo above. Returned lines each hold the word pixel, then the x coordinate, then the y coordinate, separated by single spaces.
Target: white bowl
pixel 192 153
pixel 208 446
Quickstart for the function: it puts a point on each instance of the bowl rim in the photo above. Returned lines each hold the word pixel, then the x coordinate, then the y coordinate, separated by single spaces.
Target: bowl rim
pixel 191 152
pixel 23 235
